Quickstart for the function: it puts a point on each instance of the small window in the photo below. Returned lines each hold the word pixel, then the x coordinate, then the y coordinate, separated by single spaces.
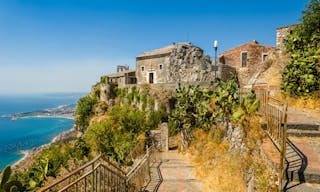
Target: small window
pixel 264 57
pixel 160 66
pixel 244 59
pixel 142 68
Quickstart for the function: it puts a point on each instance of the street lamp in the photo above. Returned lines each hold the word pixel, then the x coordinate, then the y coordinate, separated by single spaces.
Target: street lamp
pixel 215 45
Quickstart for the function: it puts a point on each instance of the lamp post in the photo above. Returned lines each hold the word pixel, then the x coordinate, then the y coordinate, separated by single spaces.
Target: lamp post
pixel 215 45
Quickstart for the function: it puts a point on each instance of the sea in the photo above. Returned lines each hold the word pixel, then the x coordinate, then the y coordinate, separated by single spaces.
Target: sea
pixel 30 132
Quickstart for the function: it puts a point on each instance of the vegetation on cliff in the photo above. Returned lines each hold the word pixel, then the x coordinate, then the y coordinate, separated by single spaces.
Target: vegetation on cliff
pixel 225 159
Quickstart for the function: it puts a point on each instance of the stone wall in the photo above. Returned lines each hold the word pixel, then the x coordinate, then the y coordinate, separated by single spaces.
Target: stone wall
pixel 282 33
pixel 155 65
pixel 161 137
pixel 226 72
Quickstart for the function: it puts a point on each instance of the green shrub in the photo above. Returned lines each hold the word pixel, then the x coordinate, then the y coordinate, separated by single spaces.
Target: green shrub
pixel 84 112
pixel 301 76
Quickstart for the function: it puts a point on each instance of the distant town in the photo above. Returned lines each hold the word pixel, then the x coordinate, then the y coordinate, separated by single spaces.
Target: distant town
pixel 65 111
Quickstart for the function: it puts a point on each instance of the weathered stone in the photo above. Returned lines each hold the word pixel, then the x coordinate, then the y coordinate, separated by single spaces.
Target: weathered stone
pixel 282 33
pixel 179 63
pixel 161 137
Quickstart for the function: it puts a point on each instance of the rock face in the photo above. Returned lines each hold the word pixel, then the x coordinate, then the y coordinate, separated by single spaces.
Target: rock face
pixel 187 63
pixel 182 62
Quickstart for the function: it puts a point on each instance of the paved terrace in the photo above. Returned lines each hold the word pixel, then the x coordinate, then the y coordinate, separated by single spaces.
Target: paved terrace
pixel 176 174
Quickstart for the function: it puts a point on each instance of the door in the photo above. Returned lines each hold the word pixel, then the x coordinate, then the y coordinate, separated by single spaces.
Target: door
pixel 150 77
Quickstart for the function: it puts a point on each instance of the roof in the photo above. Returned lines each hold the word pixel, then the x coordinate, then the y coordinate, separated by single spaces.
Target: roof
pixel 120 74
pixel 288 26
pixel 161 51
pixel 251 42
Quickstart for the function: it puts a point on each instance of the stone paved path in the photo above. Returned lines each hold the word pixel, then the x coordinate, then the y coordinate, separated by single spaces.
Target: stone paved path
pixel 177 174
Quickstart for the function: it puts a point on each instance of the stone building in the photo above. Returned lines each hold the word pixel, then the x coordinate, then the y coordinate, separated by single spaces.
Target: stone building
pixel 122 78
pixel 182 62
pixel 282 33
pixel 246 60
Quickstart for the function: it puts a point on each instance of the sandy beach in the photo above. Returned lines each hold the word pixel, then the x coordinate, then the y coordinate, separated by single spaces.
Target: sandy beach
pixel 67 116
pixel 28 155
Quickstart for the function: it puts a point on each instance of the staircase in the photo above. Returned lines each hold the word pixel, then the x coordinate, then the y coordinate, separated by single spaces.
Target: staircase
pixel 101 175
pixel 302 153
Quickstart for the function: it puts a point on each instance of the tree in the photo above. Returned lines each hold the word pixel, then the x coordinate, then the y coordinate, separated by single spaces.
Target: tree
pixel 301 76
pixel 84 111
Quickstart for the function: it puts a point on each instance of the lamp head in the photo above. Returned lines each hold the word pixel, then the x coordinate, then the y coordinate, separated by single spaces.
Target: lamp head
pixel 215 44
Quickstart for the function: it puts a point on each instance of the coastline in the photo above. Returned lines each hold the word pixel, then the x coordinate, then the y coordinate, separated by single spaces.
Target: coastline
pixel 28 155
pixel 71 117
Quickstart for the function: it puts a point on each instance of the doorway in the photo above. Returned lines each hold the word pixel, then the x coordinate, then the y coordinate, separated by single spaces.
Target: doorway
pixel 150 78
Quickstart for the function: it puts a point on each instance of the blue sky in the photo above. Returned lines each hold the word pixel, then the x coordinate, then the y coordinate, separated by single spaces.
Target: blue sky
pixel 66 45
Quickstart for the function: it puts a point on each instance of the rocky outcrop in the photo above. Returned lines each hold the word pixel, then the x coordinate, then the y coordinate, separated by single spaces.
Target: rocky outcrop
pixel 188 63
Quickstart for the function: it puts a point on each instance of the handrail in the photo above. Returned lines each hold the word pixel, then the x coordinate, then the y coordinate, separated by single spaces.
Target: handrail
pixel 90 172
pixel 275 112
pixel 134 179
pixel 113 165
pixel 72 173
pixel 304 160
pixel 82 168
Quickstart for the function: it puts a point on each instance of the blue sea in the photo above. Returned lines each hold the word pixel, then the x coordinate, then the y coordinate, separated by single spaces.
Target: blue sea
pixel 30 132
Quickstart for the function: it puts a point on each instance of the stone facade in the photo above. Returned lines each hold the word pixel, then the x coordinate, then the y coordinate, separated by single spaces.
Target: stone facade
pixel 245 59
pixel 123 78
pixel 181 62
pixel 282 33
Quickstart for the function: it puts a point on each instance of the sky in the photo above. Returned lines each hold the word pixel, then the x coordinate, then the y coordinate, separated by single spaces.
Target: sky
pixel 66 45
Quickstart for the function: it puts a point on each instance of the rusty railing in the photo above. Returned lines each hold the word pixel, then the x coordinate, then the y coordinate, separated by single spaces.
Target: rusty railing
pixel 102 175
pixel 275 113
pixel 139 176
pixel 81 172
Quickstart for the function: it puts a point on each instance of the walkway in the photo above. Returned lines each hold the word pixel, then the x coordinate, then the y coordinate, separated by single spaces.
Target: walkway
pixel 176 175
pixel 304 132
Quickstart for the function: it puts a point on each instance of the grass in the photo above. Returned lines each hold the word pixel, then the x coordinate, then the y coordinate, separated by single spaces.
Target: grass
pixel 222 169
pixel 218 169
pixel 308 104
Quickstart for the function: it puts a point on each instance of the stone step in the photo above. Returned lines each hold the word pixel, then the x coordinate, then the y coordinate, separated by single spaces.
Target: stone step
pixel 310 175
pixel 299 126
pixel 303 133
pixel 304 187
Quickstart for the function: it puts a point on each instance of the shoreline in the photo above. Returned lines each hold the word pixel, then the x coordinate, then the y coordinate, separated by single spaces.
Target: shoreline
pixel 30 154
pixel 71 117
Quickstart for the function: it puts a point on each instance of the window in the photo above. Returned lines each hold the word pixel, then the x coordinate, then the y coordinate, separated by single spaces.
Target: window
pixel 160 66
pixel 244 59
pixel 264 57
pixel 142 68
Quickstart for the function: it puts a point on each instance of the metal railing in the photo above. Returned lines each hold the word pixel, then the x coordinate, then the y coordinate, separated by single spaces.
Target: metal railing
pixel 102 175
pixel 81 172
pixel 275 113
pixel 100 179
pixel 139 176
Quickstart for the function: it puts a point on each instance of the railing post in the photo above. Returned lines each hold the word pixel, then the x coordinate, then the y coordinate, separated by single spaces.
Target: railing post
pixel 283 145
pixel 92 182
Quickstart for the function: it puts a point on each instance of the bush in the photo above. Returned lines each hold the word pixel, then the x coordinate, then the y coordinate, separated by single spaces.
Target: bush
pixel 301 76
pixel 84 112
